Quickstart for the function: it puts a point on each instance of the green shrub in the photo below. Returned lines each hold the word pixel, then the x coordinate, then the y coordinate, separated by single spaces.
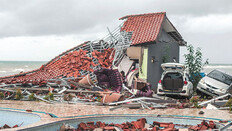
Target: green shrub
pixel 68 97
pixel 193 61
pixel 18 95
pixel 194 100
pixel 1 95
pixel 49 96
pixel 229 104
pixel 32 97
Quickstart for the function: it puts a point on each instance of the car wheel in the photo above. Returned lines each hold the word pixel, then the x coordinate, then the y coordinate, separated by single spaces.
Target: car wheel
pixel 199 92
pixel 190 94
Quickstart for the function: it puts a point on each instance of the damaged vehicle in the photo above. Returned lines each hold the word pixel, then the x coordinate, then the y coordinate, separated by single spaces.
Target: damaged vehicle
pixel 216 83
pixel 174 81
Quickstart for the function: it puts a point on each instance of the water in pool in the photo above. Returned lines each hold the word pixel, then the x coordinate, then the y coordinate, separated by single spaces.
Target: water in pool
pixel 12 118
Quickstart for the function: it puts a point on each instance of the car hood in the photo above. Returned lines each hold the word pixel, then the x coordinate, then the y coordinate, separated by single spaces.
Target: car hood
pixel 215 83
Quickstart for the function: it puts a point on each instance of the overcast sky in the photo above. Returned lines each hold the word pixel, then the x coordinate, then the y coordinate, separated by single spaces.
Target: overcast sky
pixel 39 30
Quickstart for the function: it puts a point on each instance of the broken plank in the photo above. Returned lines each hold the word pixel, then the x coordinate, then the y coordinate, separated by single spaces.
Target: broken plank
pixel 133 99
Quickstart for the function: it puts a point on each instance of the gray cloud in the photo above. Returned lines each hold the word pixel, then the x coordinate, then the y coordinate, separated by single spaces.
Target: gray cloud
pixel 49 17
pixel 55 17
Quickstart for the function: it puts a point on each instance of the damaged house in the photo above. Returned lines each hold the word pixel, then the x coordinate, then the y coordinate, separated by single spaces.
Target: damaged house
pixel 154 41
pixel 151 38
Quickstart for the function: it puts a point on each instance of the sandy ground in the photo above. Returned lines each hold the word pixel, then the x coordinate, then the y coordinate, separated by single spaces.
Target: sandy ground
pixel 67 110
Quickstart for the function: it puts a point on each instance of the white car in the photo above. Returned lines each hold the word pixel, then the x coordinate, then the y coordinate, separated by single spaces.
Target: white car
pixel 174 81
pixel 216 83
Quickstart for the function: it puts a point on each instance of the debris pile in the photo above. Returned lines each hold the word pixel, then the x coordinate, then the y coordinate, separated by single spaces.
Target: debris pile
pixel 112 72
pixel 68 64
pixel 204 126
pixel 140 124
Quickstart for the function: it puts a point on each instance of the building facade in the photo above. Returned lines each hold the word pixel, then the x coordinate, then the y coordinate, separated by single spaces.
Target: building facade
pixel 158 41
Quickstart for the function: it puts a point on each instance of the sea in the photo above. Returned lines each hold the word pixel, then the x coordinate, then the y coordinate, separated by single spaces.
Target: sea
pixel 15 67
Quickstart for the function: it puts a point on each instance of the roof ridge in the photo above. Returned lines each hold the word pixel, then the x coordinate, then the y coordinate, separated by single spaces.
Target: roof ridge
pixel 145 14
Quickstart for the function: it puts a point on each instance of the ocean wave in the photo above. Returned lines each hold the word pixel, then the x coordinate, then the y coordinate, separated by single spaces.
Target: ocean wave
pixel 18 70
pixel 218 66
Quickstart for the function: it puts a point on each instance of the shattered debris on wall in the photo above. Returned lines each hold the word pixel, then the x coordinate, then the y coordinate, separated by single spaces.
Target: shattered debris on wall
pixel 134 52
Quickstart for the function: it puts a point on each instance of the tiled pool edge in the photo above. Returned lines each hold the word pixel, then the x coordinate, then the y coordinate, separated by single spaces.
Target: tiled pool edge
pixel 14 109
pixel 47 119
pixel 120 115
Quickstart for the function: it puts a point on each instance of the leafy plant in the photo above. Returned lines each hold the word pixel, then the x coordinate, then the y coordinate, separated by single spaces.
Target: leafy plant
pixel 229 103
pixel 194 100
pixel 68 97
pixel 51 96
pixel 193 61
pixel 1 95
pixel 18 95
pixel 32 97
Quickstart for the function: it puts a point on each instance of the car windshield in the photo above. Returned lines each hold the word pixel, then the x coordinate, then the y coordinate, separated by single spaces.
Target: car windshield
pixel 220 76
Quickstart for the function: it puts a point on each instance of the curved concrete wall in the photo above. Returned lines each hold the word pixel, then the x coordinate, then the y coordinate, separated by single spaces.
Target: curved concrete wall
pixel 115 119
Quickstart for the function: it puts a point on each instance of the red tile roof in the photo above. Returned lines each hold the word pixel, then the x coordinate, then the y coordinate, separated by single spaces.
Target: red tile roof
pixel 67 64
pixel 145 27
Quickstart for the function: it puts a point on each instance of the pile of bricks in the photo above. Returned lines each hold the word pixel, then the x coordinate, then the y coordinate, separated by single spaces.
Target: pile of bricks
pixel 68 64
pixel 204 126
pixel 141 125
pixel 128 126
pixel 105 58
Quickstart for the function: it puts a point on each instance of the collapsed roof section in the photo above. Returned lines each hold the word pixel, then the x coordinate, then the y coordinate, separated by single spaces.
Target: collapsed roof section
pixel 78 61
pixel 146 28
